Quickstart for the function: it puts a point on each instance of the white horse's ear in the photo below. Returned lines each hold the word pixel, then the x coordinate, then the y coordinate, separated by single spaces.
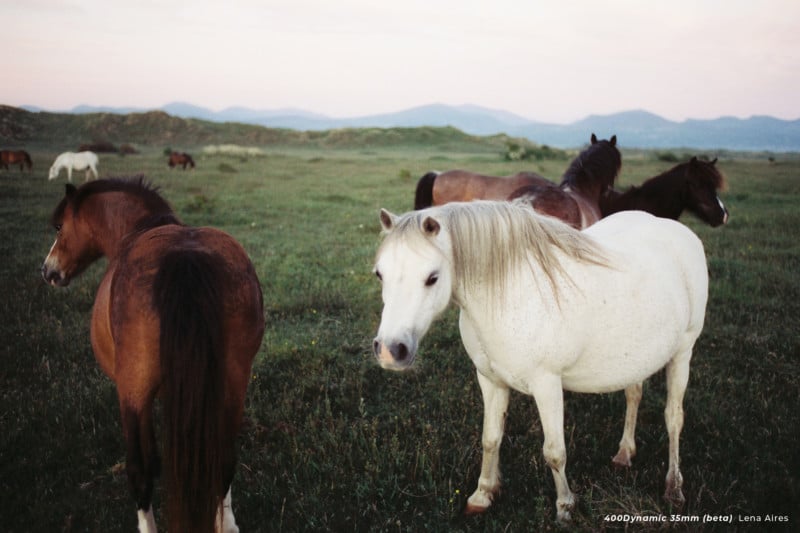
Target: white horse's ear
pixel 388 220
pixel 431 227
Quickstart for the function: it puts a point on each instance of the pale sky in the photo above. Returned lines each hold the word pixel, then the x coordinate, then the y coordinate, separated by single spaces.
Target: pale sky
pixel 555 61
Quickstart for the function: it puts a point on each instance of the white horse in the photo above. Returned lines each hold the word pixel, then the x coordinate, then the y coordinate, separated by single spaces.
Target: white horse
pixel 78 161
pixel 545 308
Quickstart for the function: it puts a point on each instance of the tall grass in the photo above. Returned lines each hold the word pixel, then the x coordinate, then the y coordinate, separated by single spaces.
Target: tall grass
pixel 332 442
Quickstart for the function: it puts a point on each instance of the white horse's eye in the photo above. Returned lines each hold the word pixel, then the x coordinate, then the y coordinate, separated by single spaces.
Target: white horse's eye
pixel 432 279
pixel 378 275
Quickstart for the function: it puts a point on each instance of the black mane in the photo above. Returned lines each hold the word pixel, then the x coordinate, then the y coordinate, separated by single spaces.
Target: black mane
pixel 136 185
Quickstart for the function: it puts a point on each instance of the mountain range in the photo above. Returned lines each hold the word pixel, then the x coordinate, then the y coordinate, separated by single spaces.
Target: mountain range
pixel 634 129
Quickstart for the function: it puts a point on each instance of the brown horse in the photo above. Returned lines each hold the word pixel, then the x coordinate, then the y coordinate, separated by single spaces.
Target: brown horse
pixel 690 186
pixel 178 314
pixel 436 188
pixel 576 200
pixel 16 157
pixel 180 158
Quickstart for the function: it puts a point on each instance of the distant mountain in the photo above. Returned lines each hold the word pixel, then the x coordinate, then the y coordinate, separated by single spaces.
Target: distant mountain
pixel 634 129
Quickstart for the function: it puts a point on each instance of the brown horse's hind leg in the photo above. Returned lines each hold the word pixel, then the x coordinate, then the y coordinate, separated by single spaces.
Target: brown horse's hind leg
pixel 142 461
pixel 233 414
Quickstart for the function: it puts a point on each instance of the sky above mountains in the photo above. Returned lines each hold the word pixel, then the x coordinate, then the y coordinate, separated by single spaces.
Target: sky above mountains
pixel 546 61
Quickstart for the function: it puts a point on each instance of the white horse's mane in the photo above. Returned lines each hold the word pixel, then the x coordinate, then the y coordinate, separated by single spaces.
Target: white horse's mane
pixel 489 239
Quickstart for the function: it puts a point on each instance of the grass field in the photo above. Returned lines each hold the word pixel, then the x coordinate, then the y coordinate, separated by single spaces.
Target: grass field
pixel 334 443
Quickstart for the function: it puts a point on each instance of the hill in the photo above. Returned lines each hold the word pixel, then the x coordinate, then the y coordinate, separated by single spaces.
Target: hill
pixel 635 129
pixel 157 128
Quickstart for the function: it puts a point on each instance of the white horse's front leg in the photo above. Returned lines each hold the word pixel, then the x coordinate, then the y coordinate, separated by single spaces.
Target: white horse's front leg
pixel 549 396
pixel 677 379
pixel 225 516
pixel 627 446
pixel 495 404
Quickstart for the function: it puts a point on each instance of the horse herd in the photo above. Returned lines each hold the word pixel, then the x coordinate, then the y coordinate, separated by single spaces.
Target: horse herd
pixel 546 305
pixel 84 160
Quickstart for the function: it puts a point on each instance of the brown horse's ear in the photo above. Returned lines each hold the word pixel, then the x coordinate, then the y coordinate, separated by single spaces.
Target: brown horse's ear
pixel 714 162
pixel 70 190
pixel 613 140
pixel 388 220
pixel 693 160
pixel 594 138
pixel 431 227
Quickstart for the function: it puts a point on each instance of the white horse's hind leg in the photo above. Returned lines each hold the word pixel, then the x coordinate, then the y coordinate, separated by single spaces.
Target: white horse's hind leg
pixel 677 379
pixel 147 523
pixel 549 396
pixel 627 446
pixel 69 173
pixel 225 516
pixel 495 404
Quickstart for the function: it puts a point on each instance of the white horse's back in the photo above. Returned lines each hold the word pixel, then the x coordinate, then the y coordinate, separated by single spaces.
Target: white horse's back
pixel 636 315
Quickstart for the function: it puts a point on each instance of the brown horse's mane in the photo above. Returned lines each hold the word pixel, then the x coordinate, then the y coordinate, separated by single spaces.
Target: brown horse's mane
pixel 136 185
pixel 600 161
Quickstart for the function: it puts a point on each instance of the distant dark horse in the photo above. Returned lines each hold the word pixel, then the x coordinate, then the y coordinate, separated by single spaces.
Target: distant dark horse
pixel 688 186
pixel 180 158
pixel 576 200
pixel 14 157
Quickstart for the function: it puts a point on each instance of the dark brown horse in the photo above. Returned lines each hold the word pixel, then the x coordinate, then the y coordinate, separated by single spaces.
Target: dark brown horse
pixel 435 188
pixel 180 158
pixel 16 157
pixel 576 200
pixel 690 186
pixel 178 314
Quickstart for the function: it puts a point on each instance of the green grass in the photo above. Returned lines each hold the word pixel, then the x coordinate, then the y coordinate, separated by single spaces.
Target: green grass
pixel 334 443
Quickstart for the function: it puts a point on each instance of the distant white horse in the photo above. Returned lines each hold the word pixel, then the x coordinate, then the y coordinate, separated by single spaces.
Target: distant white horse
pixel 78 161
pixel 544 308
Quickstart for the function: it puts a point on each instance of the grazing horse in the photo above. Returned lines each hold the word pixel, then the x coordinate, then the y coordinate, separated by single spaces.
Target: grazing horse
pixel 74 161
pixel 546 308
pixel 690 186
pixel 180 158
pixel 576 200
pixel 178 315
pixel 14 157
pixel 438 188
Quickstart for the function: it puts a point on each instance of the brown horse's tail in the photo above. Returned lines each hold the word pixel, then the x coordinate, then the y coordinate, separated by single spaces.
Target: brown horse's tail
pixel 198 448
pixel 424 195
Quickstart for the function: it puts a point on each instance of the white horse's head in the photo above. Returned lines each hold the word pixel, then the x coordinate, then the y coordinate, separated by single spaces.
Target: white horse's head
pixel 53 172
pixel 416 274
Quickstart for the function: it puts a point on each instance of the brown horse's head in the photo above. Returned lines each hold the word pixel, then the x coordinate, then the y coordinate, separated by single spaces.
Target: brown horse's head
pixel 92 221
pixel 703 180
pixel 596 167
pixel 75 247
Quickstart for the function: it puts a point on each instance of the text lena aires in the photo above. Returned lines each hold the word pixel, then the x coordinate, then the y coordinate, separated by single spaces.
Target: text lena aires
pixel 765 518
